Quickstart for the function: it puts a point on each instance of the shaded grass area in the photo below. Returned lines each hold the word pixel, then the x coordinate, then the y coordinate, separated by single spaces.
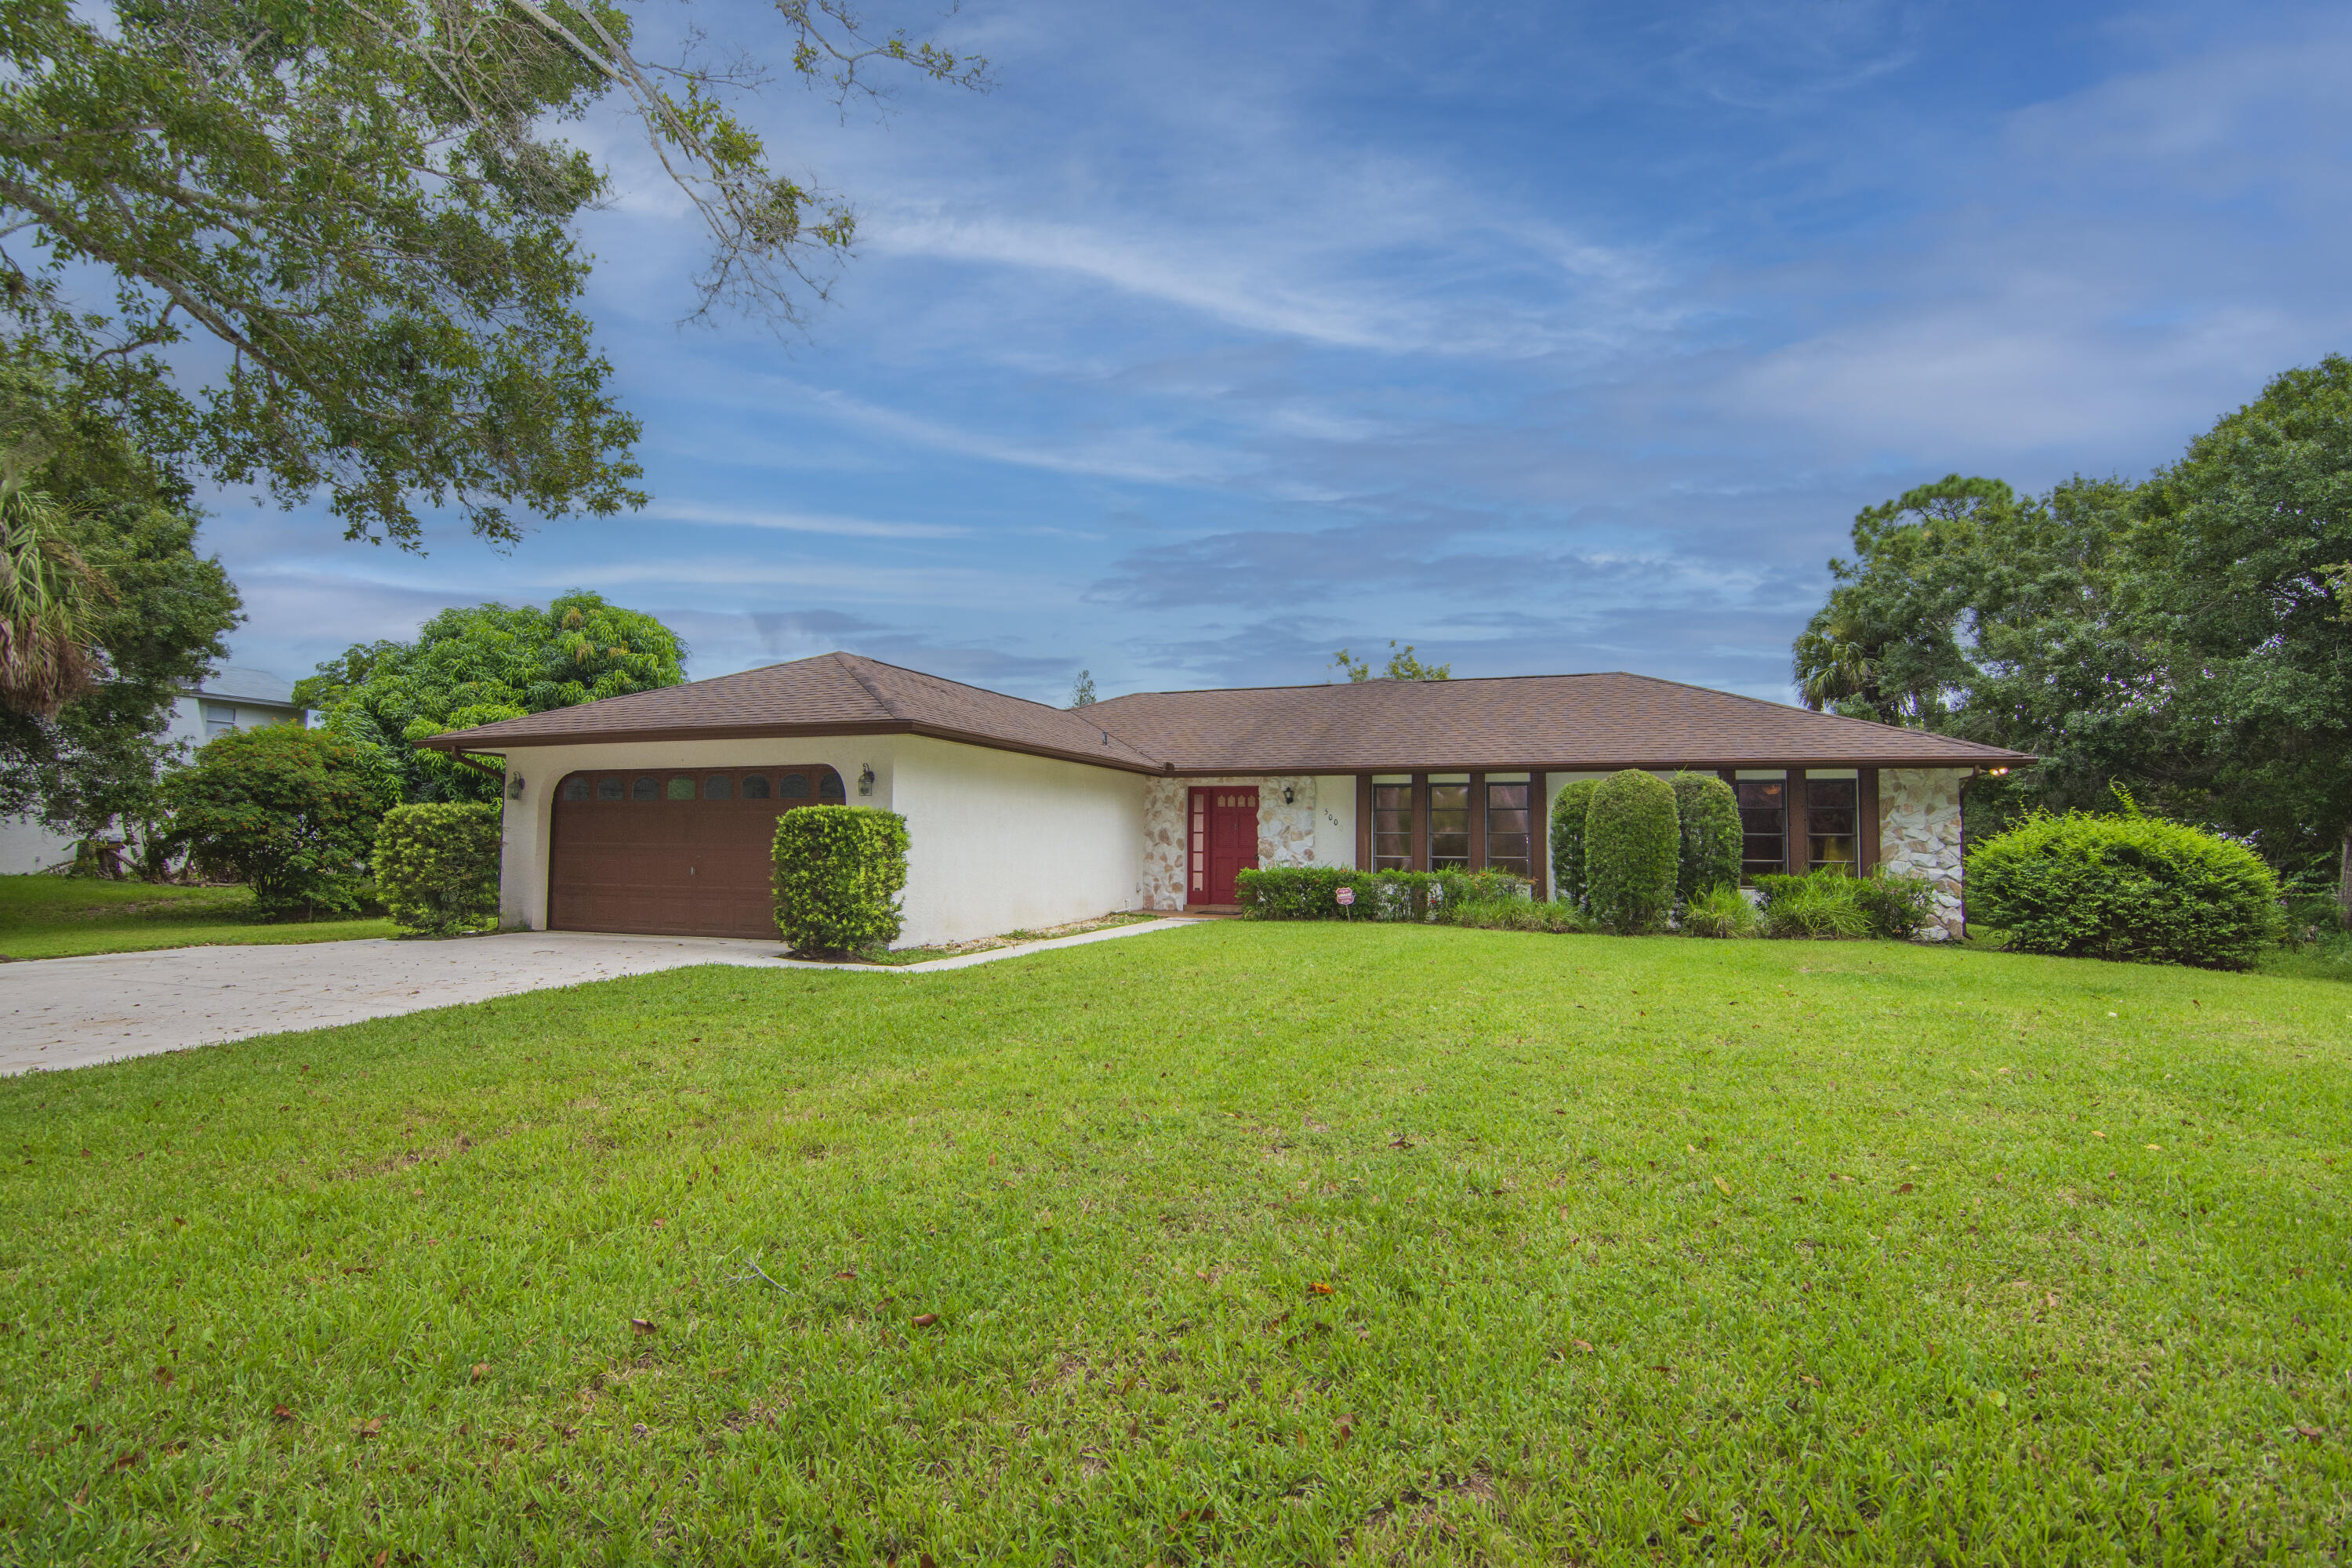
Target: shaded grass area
pixel 59 917
pixel 1252 1243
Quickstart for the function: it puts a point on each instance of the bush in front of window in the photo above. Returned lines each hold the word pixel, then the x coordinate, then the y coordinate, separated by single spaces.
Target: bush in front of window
pixel 1707 816
pixel 2132 888
pixel 1557 915
pixel 1633 847
pixel 1898 907
pixel 839 870
pixel 436 866
pixel 289 812
pixel 1569 813
pixel 1823 906
pixel 1311 893
pixel 1720 910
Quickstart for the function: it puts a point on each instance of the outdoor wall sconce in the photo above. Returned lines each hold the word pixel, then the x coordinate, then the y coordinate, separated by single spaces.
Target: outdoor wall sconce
pixel 515 787
pixel 1288 794
pixel 866 779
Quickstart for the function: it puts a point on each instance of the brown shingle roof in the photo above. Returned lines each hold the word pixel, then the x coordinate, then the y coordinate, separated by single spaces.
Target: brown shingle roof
pixel 832 694
pixel 1559 721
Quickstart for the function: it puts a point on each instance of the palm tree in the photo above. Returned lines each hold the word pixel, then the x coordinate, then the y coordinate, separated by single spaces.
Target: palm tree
pixel 49 602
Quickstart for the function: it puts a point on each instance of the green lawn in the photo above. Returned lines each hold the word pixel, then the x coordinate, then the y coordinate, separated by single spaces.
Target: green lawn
pixel 1244 1243
pixel 58 917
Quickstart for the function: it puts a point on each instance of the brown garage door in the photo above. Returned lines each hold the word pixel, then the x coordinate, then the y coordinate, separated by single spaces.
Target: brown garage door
pixel 674 852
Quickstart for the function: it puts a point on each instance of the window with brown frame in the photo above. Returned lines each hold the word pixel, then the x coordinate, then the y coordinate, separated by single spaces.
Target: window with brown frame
pixel 1449 823
pixel 1392 825
pixel 1510 843
pixel 1833 813
pixel 1763 825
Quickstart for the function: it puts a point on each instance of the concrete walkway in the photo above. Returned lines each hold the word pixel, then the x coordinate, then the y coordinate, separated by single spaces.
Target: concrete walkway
pixel 72 1012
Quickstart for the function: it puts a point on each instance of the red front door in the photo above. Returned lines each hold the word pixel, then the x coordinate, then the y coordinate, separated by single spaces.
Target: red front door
pixel 1224 841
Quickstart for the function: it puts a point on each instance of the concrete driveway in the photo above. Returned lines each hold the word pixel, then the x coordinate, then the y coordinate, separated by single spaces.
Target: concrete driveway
pixel 69 1012
pixel 72 1012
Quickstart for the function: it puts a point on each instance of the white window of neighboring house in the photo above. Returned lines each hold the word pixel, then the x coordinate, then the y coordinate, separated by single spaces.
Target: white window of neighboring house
pixel 220 718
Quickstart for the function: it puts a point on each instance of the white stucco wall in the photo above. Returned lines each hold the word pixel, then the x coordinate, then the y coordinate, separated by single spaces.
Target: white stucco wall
pixel 1317 827
pixel 1920 835
pixel 998 841
pixel 1001 841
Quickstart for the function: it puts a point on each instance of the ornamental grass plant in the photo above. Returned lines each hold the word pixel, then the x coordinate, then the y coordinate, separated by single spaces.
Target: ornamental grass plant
pixel 1721 910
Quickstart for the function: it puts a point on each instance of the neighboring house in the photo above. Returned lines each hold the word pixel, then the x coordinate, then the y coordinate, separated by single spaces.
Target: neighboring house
pixel 231 700
pixel 654 812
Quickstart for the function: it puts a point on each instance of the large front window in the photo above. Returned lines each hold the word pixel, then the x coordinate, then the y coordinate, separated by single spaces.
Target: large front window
pixel 1832 820
pixel 1510 843
pixel 1449 822
pixel 1763 823
pixel 1392 823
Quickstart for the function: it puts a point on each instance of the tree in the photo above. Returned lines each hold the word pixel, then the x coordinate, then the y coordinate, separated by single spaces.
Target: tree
pixel 478 665
pixel 1082 691
pixel 362 203
pixel 289 812
pixel 1402 666
pixel 2184 637
pixel 49 602
pixel 156 631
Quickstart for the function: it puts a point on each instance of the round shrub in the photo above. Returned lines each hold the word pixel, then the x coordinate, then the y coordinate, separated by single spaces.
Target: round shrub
pixel 287 811
pixel 1567 814
pixel 436 866
pixel 839 871
pixel 1633 846
pixel 2133 888
pixel 1707 813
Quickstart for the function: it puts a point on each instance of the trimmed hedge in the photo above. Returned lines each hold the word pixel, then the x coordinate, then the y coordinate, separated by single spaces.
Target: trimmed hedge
pixel 436 866
pixel 1568 815
pixel 1633 846
pixel 2132 888
pixel 839 872
pixel 1707 813
pixel 1310 892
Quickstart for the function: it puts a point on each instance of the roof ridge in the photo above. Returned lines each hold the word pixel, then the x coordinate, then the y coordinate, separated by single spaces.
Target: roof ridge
pixel 1382 680
pixel 850 662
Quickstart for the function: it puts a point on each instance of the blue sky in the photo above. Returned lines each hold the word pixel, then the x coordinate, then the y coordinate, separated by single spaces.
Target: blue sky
pixel 1549 337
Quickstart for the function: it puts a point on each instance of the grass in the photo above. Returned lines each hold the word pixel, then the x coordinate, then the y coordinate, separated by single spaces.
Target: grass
pixel 59 917
pixel 1253 1242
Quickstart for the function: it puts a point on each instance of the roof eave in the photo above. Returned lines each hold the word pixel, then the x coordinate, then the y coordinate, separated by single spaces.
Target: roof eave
pixel 483 740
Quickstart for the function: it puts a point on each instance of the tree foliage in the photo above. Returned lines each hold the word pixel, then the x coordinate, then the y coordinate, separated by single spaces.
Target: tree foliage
pixel 289 812
pixel 2183 637
pixel 477 665
pixel 156 629
pixel 1402 666
pixel 365 208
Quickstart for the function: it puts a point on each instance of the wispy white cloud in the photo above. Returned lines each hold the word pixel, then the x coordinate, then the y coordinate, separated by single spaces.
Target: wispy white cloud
pixel 710 514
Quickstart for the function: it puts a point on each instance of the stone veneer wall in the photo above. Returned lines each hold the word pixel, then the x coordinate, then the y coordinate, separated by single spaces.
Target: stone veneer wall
pixel 1920 835
pixel 1286 833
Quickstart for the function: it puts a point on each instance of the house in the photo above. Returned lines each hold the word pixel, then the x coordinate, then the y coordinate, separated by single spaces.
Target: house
pixel 228 700
pixel 654 812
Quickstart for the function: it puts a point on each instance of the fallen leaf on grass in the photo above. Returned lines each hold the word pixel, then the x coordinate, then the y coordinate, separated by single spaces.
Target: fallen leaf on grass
pixel 2095 1133
pixel 1724 1187
pixel 127 1460
pixel 659 1223
pixel 1585 1345
pixel 481 1371
pixel 846 1274
pixel 367 1429
pixel 1319 1289
pixel 279 1413
pixel 163 1376
pixel 925 1320
pixel 641 1325
pixel 2313 1433
pixel 1400 1142
pixel 1904 1187
pixel 2156 1148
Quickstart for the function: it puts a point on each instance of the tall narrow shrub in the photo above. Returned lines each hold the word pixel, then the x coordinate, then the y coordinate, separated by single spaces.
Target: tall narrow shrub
pixel 1567 815
pixel 839 872
pixel 1707 813
pixel 436 866
pixel 1632 847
